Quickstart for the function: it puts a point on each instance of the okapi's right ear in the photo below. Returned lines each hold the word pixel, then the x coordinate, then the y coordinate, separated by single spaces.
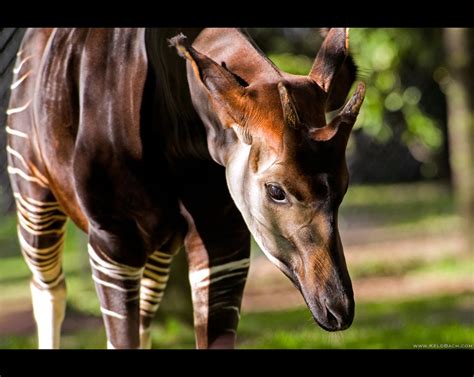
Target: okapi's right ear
pixel 334 69
pixel 219 81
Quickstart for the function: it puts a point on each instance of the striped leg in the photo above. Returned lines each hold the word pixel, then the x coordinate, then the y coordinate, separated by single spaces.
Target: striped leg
pixel 41 231
pixel 217 283
pixel 41 234
pixel 153 285
pixel 218 250
pixel 118 288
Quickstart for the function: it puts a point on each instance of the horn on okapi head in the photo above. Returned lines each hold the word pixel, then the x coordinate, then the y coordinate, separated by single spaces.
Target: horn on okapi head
pixel 222 85
pixel 344 121
pixel 334 69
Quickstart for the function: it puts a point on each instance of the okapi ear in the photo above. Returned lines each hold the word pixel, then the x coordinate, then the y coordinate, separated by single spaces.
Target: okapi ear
pixel 341 85
pixel 333 69
pixel 218 80
pixel 289 111
pixel 342 124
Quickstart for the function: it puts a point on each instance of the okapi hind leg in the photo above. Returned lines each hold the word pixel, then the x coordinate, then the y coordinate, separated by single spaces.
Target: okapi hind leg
pixel 153 284
pixel 41 232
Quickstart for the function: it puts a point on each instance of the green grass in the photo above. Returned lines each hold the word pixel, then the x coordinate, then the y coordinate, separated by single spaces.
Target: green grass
pixel 389 324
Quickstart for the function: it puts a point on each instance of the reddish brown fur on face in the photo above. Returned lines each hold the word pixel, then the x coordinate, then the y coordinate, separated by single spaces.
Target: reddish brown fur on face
pixel 264 112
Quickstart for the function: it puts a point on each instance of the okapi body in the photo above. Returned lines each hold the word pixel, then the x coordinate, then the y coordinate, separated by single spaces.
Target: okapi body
pixel 146 152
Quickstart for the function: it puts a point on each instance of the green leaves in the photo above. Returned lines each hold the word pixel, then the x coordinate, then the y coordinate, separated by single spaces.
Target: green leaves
pixel 384 56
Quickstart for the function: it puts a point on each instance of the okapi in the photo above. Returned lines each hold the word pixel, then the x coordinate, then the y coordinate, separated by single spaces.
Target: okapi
pixel 150 139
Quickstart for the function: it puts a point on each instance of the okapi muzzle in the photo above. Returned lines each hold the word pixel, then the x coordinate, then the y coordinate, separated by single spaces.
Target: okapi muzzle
pixel 285 165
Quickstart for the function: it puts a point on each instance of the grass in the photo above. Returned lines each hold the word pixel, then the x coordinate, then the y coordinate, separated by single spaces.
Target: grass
pixel 389 324
pixel 437 320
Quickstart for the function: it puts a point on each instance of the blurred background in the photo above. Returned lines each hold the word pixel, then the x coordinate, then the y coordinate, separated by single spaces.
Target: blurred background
pixel 407 221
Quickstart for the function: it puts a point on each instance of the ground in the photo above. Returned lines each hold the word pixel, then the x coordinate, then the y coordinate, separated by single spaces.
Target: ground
pixel 413 281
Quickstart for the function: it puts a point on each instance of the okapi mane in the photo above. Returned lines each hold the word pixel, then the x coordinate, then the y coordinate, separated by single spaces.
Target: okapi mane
pixel 174 117
pixel 168 71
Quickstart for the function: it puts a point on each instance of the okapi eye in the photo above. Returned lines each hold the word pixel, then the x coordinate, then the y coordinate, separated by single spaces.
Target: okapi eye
pixel 276 192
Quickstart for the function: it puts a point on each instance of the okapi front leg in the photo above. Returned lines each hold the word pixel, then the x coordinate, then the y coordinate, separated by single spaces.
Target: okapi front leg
pixel 153 284
pixel 118 288
pixel 218 249
pixel 218 272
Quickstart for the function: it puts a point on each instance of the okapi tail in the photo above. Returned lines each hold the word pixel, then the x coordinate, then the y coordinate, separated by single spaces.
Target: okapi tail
pixel 10 40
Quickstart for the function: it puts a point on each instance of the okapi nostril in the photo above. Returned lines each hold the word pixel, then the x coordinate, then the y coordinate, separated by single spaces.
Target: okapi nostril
pixel 332 317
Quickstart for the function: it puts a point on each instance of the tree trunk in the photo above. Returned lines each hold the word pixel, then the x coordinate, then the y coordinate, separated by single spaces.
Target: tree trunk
pixel 459 45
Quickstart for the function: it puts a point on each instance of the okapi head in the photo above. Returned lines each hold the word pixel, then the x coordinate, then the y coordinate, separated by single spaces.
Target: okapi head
pixel 285 165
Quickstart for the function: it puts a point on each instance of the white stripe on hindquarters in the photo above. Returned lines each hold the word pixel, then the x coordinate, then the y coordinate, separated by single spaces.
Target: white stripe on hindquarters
pixel 15 110
pixel 20 80
pixel 28 165
pixel 11 131
pixel 17 69
pixel 15 171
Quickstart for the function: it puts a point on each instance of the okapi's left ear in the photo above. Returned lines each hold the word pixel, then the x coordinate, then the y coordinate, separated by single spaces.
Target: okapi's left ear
pixel 334 70
pixel 223 87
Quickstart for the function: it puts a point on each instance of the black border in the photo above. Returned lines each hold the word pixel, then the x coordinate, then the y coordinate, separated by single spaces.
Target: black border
pixel 237 363
pixel 242 14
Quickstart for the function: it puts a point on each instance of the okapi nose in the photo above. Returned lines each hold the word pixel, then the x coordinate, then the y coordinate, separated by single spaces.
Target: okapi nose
pixel 339 313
